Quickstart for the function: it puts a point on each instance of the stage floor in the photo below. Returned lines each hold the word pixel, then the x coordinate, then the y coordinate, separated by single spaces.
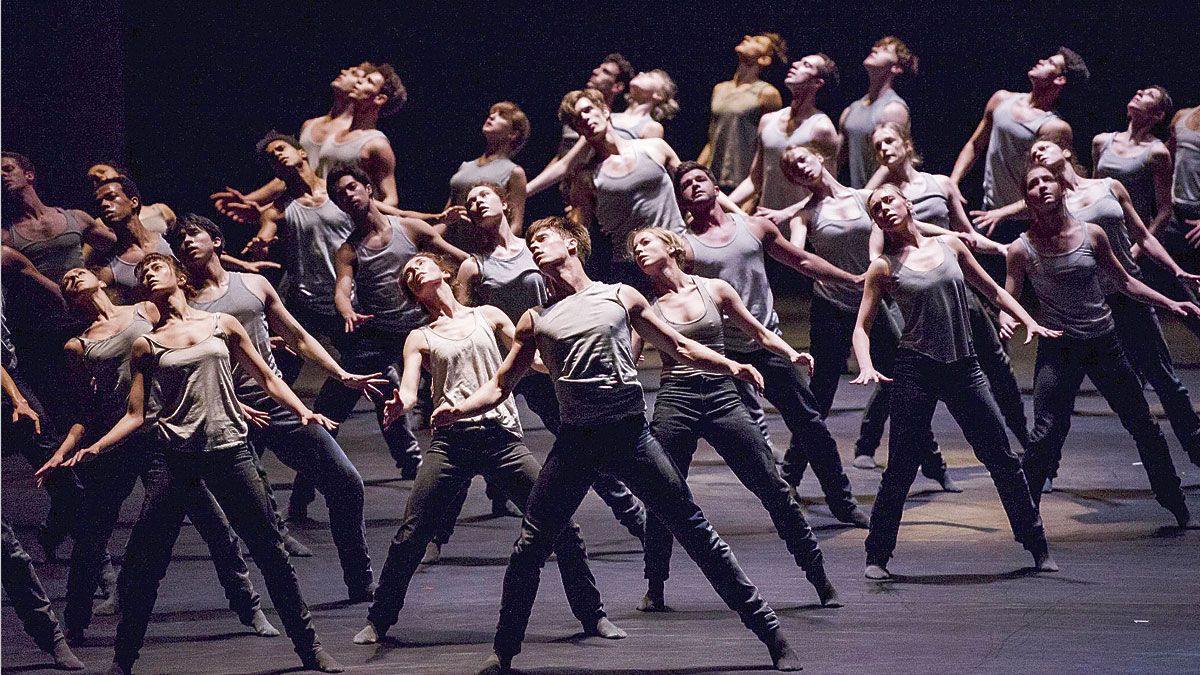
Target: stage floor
pixel 964 600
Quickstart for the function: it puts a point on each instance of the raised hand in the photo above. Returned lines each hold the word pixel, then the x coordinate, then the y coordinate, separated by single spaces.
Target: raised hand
pixel 234 205
pixel 985 221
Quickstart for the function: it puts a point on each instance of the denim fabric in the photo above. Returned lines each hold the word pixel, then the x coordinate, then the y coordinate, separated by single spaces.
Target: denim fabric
pixel 25 591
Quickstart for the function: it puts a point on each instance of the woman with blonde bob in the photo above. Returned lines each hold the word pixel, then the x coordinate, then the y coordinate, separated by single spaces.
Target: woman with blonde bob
pixel 693 404
pixel 927 278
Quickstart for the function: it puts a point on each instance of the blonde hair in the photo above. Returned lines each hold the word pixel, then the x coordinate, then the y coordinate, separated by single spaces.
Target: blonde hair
pixel 668 107
pixel 673 241
pixel 905 135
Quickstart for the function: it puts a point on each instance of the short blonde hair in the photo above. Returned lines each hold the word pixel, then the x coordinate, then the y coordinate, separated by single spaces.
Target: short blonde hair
pixel 567 228
pixel 566 109
pixel 671 239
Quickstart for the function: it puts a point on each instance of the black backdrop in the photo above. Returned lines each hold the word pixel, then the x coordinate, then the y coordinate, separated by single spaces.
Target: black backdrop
pixel 183 90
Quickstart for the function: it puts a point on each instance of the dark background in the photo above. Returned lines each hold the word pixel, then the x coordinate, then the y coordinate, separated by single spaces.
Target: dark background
pixel 181 91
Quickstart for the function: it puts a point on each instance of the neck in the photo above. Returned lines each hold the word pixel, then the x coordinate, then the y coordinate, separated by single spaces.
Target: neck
pixel 668 278
pixel 901 173
pixel 803 103
pixel 100 306
pixel 132 233
pixel 1139 129
pixel 371 221
pixel 173 306
pixel 747 73
pixel 639 108
pixel 907 236
pixel 28 203
pixel 365 118
pixel 828 186
pixel 443 303
pixel 342 106
pixel 706 217
pixel 303 181
pixel 1049 223
pixel 208 273
pixel 608 144
pixel 1067 172
pixel 568 278
pixel 497 149
pixel 1044 97
pixel 880 84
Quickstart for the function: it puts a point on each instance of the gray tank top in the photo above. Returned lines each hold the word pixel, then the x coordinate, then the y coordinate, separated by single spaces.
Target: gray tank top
pixel 310 146
pixel 707 330
pixel 645 197
pixel 125 281
pixel 193 392
pixel 377 282
pixel 333 153
pixel 932 205
pixel 934 307
pixel 512 284
pixel 472 173
pixel 736 111
pixel 776 191
pixel 107 364
pixel 1068 290
pixel 54 256
pixel 1108 214
pixel 460 367
pixel 846 244
pixel 1135 173
pixel 740 263
pixel 858 126
pixel 242 304
pixel 310 237
pixel 1185 188
pixel 570 137
pixel 1008 154
pixel 585 342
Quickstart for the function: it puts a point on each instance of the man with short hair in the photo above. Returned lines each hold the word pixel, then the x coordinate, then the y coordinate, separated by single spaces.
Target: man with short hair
pixel 119 202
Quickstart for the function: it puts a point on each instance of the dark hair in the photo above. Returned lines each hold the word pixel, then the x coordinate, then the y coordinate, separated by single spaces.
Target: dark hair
pixel 567 228
pixel 1074 68
pixel 171 262
pixel 119 167
pixel 393 88
pixel 686 168
pixel 341 171
pixel 272 136
pixel 829 71
pixel 519 121
pixel 127 186
pixel 778 47
pixel 21 160
pixel 444 263
pixel 191 221
pixel 625 71
pixel 1166 104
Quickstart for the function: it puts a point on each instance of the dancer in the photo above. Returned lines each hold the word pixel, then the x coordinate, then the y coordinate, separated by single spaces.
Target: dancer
pixel 834 220
pixel 1064 260
pixel 799 123
pixel 203 437
pixel 460 347
pixel 1011 122
pixel 1184 144
pixel 936 201
pixel 29 598
pixel 306 448
pixel 378 93
pixel 379 318
pixel 737 106
pixel 584 338
pixel 120 205
pixel 1106 202
pixel 507 278
pixel 927 277
pixel 98 361
pixel 732 247
pixel 692 404
pixel 889 58
pixel 155 218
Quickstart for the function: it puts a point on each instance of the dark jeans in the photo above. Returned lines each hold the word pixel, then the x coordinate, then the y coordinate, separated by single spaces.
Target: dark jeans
pixel 108 480
pixel 328 326
pixel 233 479
pixel 63 485
pixel 919 383
pixel 830 334
pixel 25 591
pixel 708 406
pixel 313 453
pixel 456 454
pixel 625 449
pixel 538 390
pixel 1061 365
pixel 1172 237
pixel 997 367
pixel 1144 345
pixel 811 441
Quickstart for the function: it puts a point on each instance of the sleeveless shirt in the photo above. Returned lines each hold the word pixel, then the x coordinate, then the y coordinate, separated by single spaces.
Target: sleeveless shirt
pixel 242 304
pixel 1068 290
pixel 644 197
pixel 461 366
pixel 1136 173
pixel 858 126
pixel 736 111
pixel 846 244
pixel 585 342
pixel 193 393
pixel 107 364
pixel 1185 189
pixel 512 284
pixel 934 306
pixel 55 255
pixel 707 330
pixel 377 282
pixel 1108 214
pixel 125 281
pixel 473 173
pixel 740 263
pixel 334 153
pixel 311 237
pixel 776 191
pixel 1008 154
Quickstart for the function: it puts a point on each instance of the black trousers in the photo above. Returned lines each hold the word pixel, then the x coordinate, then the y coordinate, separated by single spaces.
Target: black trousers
pixel 232 477
pixel 919 382
pixel 456 454
pixel 1061 365
pixel 25 591
pixel 625 449
pixel 811 441
pixel 1172 236
pixel 108 480
pixel 706 406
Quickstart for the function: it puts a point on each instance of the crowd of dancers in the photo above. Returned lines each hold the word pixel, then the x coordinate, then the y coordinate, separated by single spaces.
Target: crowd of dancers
pixel 138 347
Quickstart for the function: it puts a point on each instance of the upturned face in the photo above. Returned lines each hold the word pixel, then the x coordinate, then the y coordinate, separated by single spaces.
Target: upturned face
pixel 1043 191
pixel 484 205
pixel 647 86
pixel 1049 68
pixel 13 176
pixel 695 187
pixel 79 284
pixel 158 278
pixel 422 274
pixel 806 71
pixel 284 156
pixel 550 247
pixel 890 210
pixel 882 57
pixel 650 251
pixel 347 79
pixel 802 166
pixel 99 173
pixel 1048 154
pixel 1146 103
pixel 590 119
pixel 497 124
pixel 753 47
pixel 367 89
pixel 604 77
pixel 196 246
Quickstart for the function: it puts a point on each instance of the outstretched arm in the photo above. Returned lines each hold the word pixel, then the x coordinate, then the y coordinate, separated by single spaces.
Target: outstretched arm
pixel 500 387
pixel 978 143
pixel 405 396
pixel 557 168
pixel 877 275
pixel 242 349
pixel 735 310
pixel 808 264
pixel 1130 285
pixel 983 281
pixel 131 421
